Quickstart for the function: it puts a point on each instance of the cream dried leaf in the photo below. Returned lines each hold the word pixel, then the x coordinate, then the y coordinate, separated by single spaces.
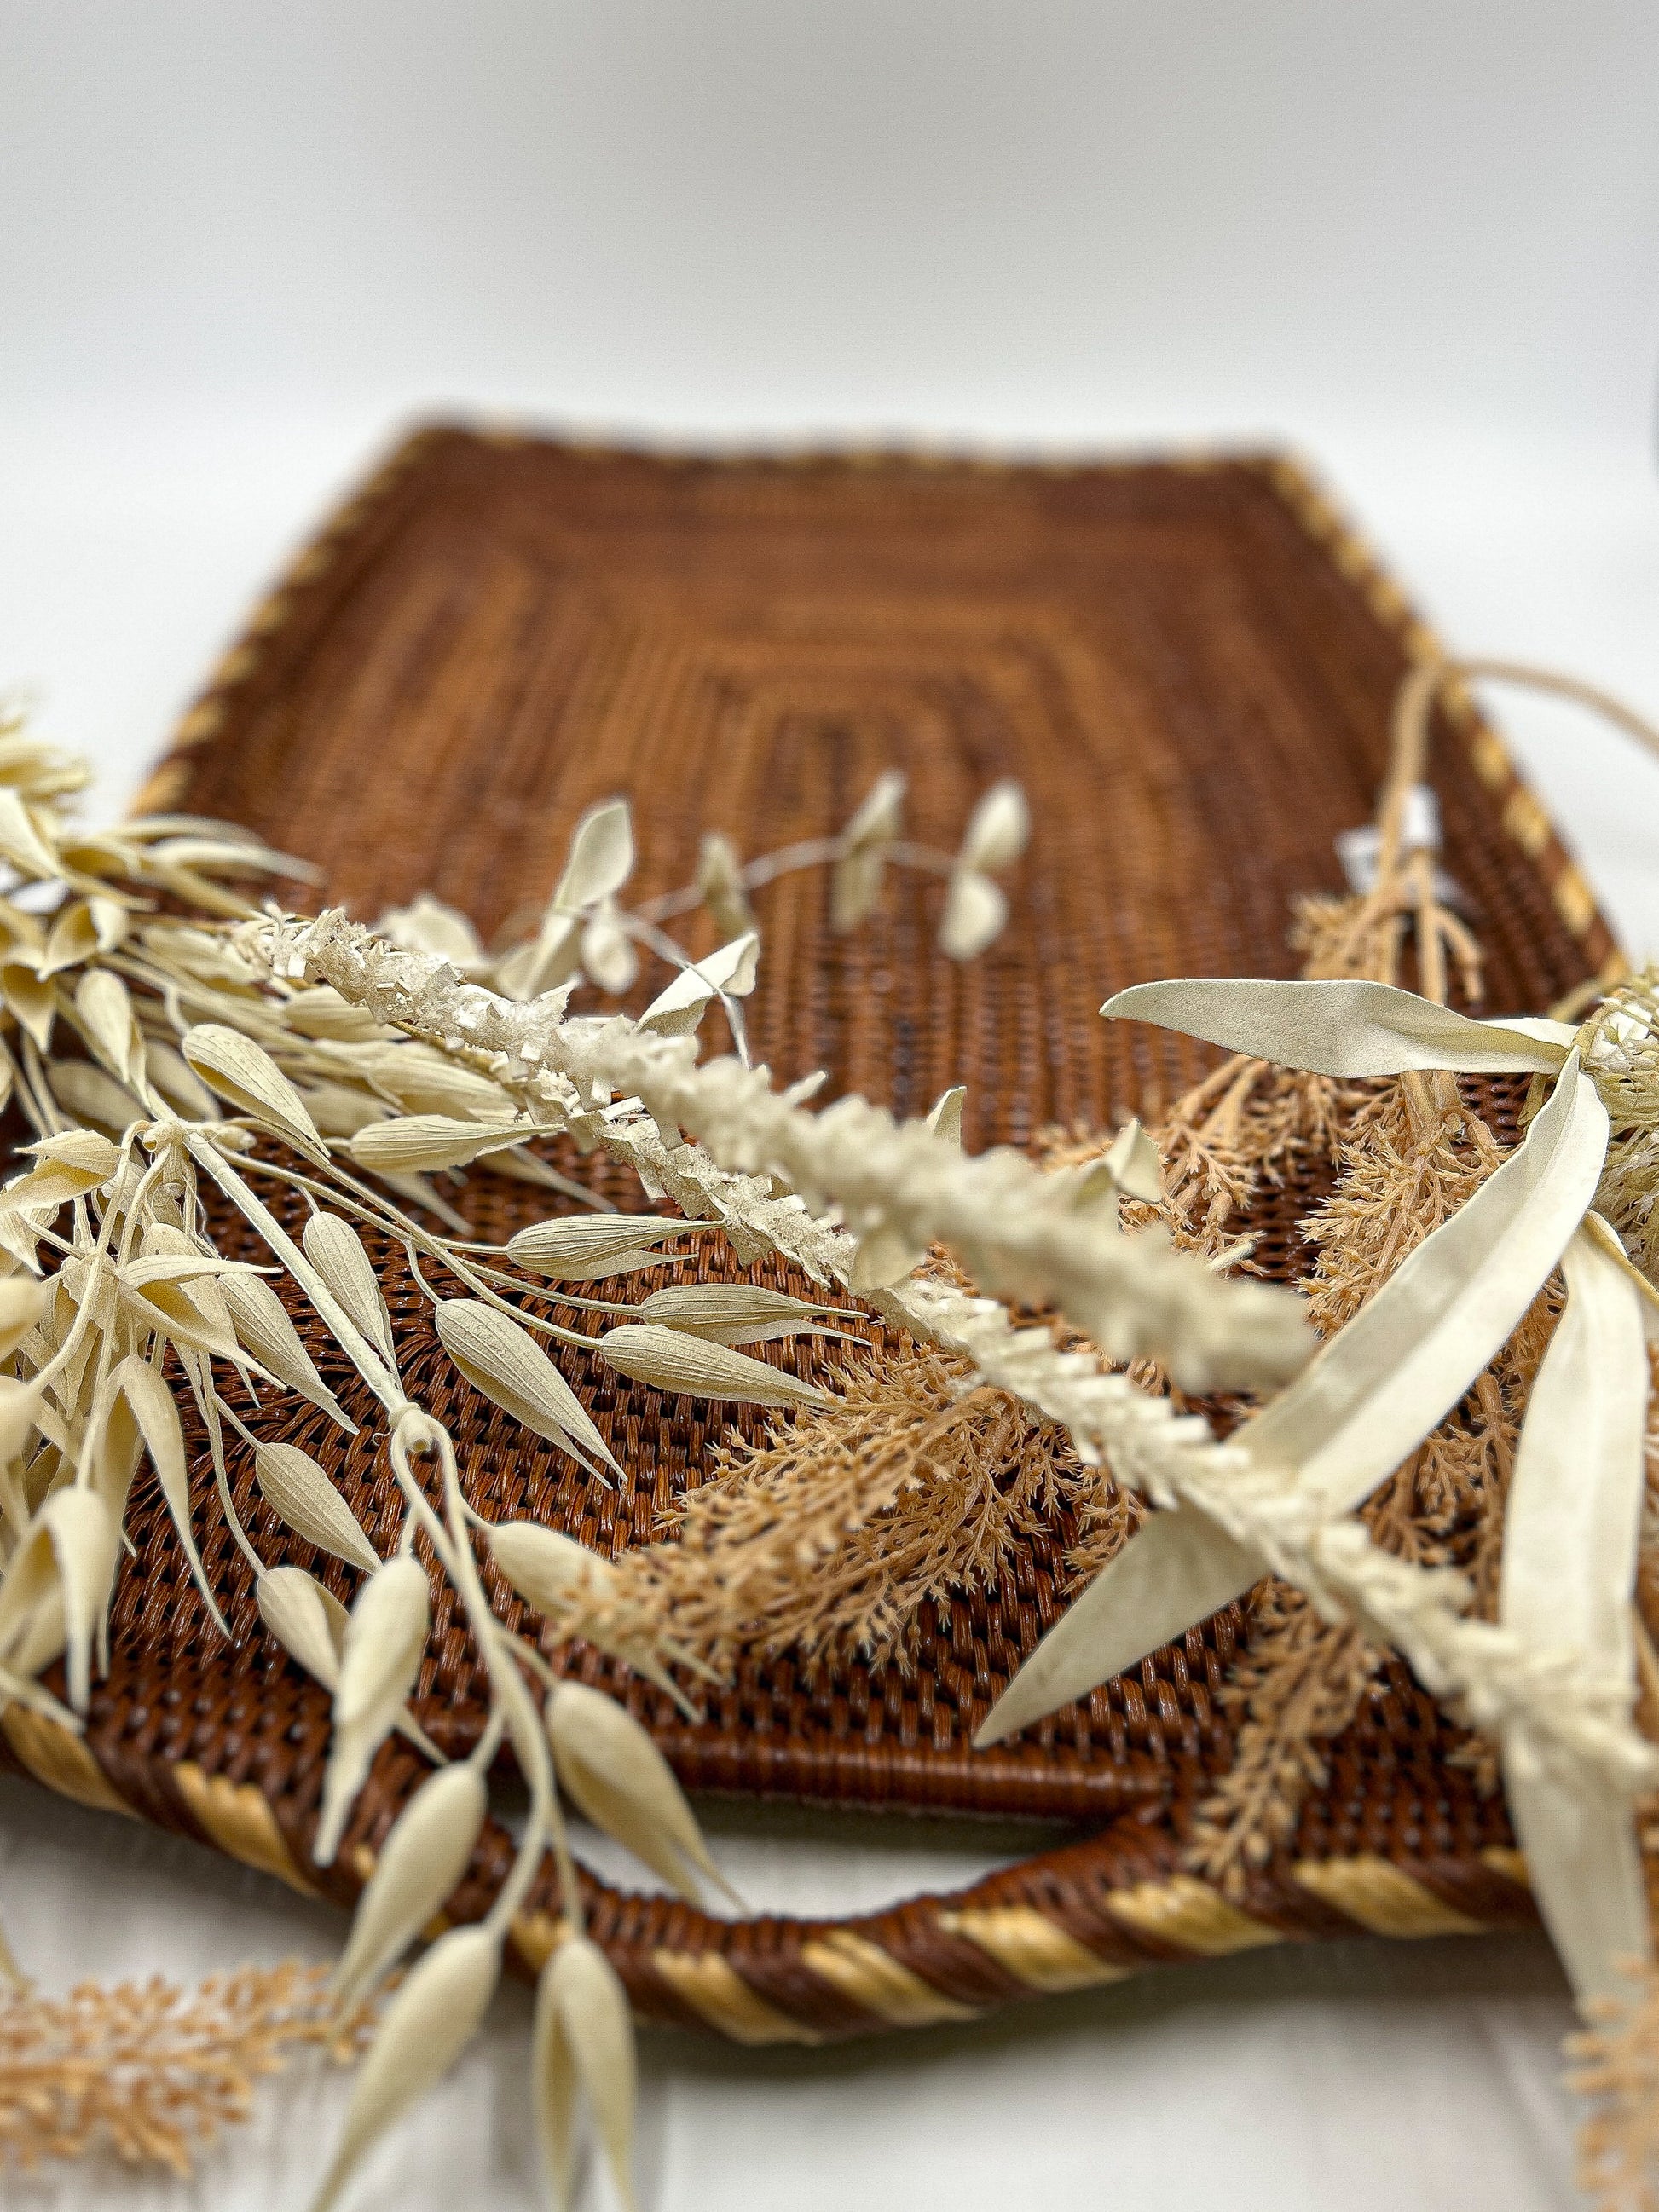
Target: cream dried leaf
pixel 584 2038
pixel 885 1256
pixel 998 830
pixel 668 1359
pixel 430 2021
pixel 66 1167
pixel 945 1120
pixel 601 858
pixel 246 1075
pixel 730 971
pixel 427 925
pixel 420 1864
pixel 300 1493
pixel 584 1247
pixel 616 1775
pixel 975 913
pixel 721 886
pixel 501 1359
pixel 856 884
pixel 607 951
pixel 321 1012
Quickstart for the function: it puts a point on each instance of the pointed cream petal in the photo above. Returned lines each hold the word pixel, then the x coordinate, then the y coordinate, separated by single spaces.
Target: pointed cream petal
pixel 1369 1396
pixel 1350 1029
pixel 1570 1542
pixel 1178 1568
pixel 1377 1389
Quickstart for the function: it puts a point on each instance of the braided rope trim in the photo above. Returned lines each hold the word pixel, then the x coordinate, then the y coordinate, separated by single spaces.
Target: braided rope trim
pixel 1077 1917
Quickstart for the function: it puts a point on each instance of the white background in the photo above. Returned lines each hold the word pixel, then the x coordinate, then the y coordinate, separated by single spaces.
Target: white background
pixel 241 246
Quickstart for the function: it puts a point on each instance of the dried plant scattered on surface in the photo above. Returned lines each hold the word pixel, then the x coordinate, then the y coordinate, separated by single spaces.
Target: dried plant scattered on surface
pixel 147 2071
pixel 1392 1486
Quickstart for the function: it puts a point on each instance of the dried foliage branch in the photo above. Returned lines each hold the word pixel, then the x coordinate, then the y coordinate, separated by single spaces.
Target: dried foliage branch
pixel 1614 2066
pixel 148 1053
pixel 833 1534
pixel 150 2072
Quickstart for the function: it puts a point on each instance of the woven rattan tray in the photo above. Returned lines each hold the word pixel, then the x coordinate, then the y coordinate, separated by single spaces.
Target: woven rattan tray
pixel 1190 666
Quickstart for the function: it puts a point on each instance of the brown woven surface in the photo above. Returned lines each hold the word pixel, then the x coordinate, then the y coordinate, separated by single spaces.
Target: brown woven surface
pixel 1189 668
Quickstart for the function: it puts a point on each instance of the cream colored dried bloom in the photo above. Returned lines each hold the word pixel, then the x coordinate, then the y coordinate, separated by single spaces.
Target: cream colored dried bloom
pixel 435 2013
pixel 504 1361
pixel 421 1862
pixel 385 1638
pixel 616 1775
pixel 298 1492
pixel 668 1359
pixel 584 2041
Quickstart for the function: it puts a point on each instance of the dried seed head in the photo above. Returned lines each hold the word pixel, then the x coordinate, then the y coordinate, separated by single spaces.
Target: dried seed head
pixel 172 1074
pixel 22 1304
pixel 584 2040
pixel 549 1569
pixel 299 1493
pixel 584 1248
pixel 421 1080
pixel 504 1362
pixel 157 1418
pixel 308 1621
pixel 734 1312
pixel 421 1862
pixel 242 1073
pixel 103 1009
pixel 261 1322
pixel 668 1359
pixel 322 1012
pixel 57 1587
pixel 420 1142
pixel 85 1092
pixel 336 1251
pixel 617 1777
pixel 386 1637
pixel 429 2023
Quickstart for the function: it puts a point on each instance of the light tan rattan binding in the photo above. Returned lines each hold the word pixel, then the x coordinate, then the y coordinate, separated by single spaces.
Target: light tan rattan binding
pixel 1190 666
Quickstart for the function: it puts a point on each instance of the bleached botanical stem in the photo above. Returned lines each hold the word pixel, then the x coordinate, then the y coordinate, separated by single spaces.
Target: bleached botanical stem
pixel 1134 1296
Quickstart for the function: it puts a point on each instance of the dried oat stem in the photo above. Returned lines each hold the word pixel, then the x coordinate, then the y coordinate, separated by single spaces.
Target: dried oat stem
pixel 1131 1294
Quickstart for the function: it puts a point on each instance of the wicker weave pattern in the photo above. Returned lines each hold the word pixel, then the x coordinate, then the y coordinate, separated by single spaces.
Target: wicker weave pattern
pixel 1189 668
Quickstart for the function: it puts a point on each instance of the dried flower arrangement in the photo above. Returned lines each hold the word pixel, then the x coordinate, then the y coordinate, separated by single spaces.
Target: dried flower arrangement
pixel 1059 1313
